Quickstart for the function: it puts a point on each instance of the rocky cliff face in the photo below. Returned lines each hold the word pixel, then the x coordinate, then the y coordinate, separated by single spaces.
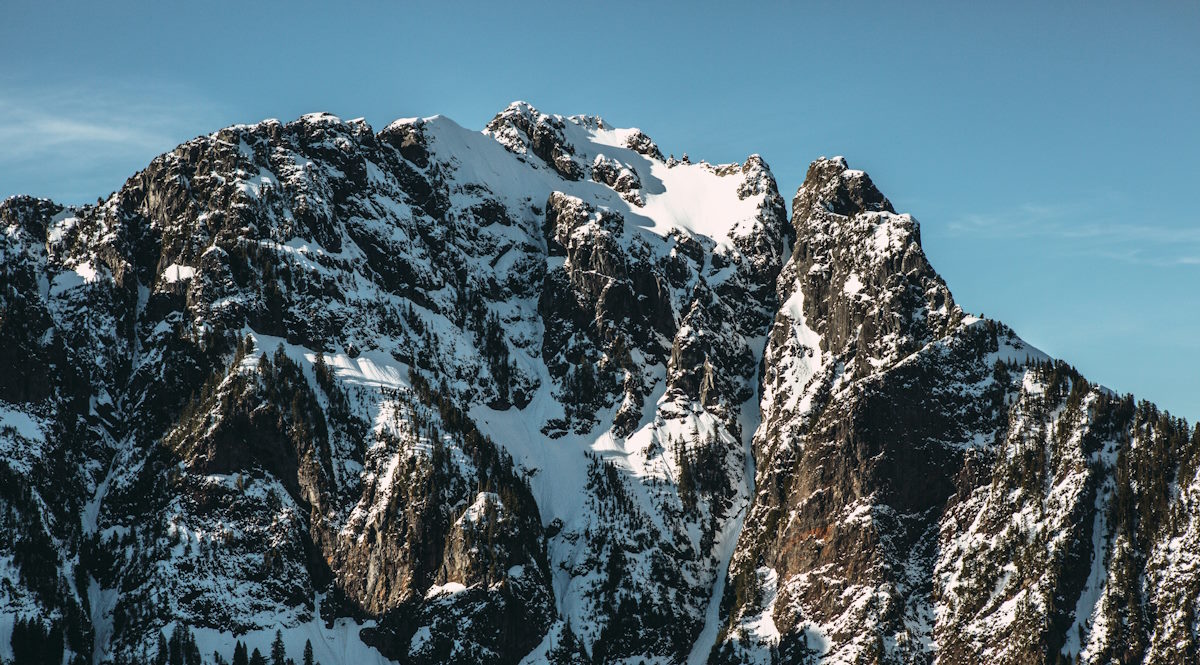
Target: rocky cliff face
pixel 930 488
pixel 538 394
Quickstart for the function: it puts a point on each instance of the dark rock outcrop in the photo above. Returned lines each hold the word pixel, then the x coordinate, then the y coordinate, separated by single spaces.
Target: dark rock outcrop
pixel 459 397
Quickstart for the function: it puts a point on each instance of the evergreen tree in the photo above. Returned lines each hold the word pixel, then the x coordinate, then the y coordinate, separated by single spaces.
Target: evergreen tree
pixel 308 654
pixel 175 646
pixel 191 651
pixel 278 652
pixel 321 368
pixel 239 654
pixel 35 644
pixel 687 477
pixel 164 651
pixel 256 658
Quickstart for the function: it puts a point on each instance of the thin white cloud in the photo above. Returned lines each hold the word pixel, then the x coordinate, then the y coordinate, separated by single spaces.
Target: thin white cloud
pixel 34 120
pixel 32 134
pixel 1084 229
pixel 77 141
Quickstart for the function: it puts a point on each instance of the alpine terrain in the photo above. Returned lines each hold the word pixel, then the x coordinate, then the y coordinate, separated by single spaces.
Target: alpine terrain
pixel 539 394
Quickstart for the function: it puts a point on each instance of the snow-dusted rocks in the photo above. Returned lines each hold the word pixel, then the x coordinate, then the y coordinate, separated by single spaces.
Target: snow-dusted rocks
pixel 302 374
pixel 929 488
pixel 536 394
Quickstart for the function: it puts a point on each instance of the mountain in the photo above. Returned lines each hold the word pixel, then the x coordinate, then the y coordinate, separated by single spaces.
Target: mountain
pixel 541 394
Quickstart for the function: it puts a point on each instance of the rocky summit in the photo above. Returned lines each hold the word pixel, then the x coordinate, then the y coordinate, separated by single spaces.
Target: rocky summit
pixel 539 394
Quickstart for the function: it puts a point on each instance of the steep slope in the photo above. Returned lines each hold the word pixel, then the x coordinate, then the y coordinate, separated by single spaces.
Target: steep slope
pixel 425 378
pixel 932 489
pixel 538 393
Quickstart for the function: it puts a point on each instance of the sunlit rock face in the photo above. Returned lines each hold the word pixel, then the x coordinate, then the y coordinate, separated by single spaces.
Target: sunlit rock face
pixel 539 394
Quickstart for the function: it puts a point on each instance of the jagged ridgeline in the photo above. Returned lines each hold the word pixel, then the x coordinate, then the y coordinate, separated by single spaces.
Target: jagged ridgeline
pixel 541 394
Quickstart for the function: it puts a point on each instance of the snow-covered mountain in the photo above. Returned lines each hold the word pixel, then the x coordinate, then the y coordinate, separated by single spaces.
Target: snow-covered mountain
pixel 539 394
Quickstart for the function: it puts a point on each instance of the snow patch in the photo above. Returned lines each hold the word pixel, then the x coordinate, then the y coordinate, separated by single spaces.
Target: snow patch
pixel 177 273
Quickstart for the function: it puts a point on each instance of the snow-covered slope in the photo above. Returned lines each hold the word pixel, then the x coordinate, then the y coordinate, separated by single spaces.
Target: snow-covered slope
pixel 536 394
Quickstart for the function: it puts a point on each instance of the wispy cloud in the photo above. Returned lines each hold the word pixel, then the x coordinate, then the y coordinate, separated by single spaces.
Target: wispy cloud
pixel 34 119
pixel 25 133
pixel 1089 229
pixel 65 139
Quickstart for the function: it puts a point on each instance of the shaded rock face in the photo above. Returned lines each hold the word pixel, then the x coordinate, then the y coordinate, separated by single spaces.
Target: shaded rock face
pixel 929 488
pixel 537 394
pixel 355 385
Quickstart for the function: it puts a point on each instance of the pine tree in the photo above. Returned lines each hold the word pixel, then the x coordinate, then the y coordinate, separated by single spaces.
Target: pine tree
pixel 164 651
pixel 191 651
pixel 308 654
pixel 239 654
pixel 278 652
pixel 256 658
pixel 687 478
pixel 34 644
pixel 176 645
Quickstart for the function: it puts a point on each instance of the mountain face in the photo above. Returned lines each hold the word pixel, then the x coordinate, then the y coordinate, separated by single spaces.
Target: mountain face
pixel 539 394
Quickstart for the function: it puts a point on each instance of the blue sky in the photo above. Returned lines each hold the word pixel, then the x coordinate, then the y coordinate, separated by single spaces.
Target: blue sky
pixel 1050 152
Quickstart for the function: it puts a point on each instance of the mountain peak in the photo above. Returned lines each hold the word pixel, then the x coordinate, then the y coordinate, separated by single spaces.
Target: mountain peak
pixel 537 394
pixel 532 113
pixel 840 189
pixel 859 271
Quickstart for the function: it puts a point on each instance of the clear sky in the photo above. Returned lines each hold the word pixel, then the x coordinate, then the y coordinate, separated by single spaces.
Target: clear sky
pixel 1050 150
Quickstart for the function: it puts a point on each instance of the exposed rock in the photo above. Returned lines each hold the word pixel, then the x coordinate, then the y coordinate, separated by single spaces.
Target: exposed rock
pixel 457 397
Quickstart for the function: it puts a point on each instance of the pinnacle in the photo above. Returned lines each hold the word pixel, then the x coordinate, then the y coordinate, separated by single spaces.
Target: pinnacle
pixel 840 189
